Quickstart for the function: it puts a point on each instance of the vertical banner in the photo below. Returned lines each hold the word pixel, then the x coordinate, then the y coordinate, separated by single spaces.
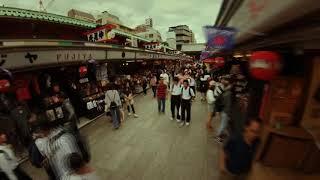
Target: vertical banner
pixel 219 38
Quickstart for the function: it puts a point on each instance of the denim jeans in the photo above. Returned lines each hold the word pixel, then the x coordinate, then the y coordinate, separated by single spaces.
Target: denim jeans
pixel 161 104
pixel 224 123
pixel 115 115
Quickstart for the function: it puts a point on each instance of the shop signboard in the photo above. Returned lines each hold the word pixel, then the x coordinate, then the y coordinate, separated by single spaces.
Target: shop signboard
pixel 120 55
pixel 15 60
pixel 143 55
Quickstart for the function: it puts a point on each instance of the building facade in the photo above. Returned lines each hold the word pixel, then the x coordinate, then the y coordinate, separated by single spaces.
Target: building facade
pixel 81 15
pixel 147 31
pixel 107 18
pixel 171 40
pixel 184 35
pixel 149 22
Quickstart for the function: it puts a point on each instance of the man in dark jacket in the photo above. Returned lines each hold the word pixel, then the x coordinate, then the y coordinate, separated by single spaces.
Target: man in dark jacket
pixel 226 102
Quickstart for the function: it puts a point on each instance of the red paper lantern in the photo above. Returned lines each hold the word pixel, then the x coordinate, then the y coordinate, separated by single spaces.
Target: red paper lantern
pixel 265 65
pixel 4 85
pixel 83 70
pixel 219 62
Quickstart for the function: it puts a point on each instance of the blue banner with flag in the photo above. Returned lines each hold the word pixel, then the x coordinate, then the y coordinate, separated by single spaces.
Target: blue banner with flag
pixel 219 38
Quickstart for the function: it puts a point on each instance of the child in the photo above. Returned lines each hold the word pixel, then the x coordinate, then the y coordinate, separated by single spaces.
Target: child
pixel 128 96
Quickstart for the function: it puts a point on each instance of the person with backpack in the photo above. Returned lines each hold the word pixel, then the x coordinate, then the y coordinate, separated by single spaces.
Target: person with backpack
pixel 9 166
pixel 187 95
pixel 113 104
pixel 175 98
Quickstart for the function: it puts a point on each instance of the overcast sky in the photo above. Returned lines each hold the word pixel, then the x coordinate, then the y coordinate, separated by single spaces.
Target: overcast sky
pixel 165 13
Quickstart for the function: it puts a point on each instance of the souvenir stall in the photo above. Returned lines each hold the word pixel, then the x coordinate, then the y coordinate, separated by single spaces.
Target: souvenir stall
pixel 91 89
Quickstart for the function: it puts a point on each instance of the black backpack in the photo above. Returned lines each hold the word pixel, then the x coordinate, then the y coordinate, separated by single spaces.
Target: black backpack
pixel 189 91
pixel 219 103
pixel 113 104
pixel 35 156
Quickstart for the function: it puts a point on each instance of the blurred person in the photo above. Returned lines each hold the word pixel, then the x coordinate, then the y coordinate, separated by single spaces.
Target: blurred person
pixel 153 84
pixel 214 91
pixel 165 77
pixel 144 85
pixel 60 143
pixel 9 166
pixel 224 103
pixel 113 104
pixel 175 98
pixel 128 97
pixel 238 152
pixel 204 85
pixel 187 95
pixel 193 84
pixel 80 170
pixel 162 96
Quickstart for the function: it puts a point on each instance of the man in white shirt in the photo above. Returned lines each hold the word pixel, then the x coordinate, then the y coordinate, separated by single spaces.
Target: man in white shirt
pixel 175 98
pixel 187 95
pixel 9 167
pixel 165 77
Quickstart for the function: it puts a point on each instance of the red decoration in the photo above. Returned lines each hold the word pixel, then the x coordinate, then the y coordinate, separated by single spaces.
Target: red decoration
pixel 265 65
pixel 83 70
pixel 219 40
pixel 4 85
pixel 219 62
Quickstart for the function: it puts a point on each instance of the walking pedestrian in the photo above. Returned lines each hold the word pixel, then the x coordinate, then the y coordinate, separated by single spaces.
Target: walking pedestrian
pixel 204 85
pixel 175 98
pixel 153 84
pixel 193 84
pixel 9 166
pixel 112 104
pixel 238 152
pixel 187 95
pixel 214 91
pixel 224 103
pixel 144 85
pixel 165 77
pixel 162 95
pixel 128 96
pixel 79 169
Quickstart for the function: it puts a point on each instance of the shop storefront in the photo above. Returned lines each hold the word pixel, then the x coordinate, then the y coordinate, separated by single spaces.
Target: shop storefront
pixel 285 80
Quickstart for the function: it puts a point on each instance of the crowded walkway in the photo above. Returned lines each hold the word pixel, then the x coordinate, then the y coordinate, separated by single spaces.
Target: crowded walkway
pixel 154 147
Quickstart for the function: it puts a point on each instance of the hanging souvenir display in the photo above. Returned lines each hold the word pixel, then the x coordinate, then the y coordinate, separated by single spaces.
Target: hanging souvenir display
pixel 265 65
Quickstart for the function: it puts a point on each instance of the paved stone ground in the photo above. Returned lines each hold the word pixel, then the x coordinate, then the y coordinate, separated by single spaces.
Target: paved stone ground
pixel 152 147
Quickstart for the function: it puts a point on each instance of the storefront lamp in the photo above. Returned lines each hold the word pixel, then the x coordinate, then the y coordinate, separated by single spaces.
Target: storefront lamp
pixel 265 65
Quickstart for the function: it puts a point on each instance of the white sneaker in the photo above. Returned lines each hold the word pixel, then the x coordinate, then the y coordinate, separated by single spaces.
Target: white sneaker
pixel 178 120
pixel 187 124
pixel 181 124
pixel 171 119
pixel 129 114
pixel 135 115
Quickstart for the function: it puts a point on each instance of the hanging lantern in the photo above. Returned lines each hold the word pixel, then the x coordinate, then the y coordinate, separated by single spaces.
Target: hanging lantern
pixel 265 65
pixel 4 85
pixel 219 62
pixel 83 70
pixel 209 61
